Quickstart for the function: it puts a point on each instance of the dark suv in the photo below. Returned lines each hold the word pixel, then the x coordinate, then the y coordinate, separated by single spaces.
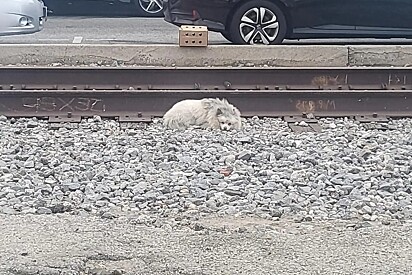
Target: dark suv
pixel 147 8
pixel 271 21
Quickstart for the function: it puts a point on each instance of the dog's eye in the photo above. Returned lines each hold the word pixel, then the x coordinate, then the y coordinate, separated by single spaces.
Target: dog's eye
pixel 229 124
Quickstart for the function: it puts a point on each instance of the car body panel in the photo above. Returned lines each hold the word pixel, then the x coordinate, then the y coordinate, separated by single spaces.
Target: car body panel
pixel 14 13
pixel 307 18
pixel 105 7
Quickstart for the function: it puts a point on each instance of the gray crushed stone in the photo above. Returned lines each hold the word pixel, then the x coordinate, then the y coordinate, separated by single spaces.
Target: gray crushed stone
pixel 100 199
pixel 347 171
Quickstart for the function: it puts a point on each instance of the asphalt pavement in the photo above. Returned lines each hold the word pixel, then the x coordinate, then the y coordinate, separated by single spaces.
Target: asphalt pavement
pixel 71 244
pixel 103 30
pixel 138 30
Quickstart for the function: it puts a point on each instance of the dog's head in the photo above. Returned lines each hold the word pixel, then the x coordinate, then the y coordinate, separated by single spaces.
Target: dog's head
pixel 228 119
pixel 226 114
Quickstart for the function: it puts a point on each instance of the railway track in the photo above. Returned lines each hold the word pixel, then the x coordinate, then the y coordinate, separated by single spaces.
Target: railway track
pixel 139 94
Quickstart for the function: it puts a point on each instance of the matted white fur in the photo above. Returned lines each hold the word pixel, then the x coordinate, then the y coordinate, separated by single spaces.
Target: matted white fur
pixel 207 113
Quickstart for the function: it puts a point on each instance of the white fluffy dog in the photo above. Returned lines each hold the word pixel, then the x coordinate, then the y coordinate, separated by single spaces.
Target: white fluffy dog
pixel 206 113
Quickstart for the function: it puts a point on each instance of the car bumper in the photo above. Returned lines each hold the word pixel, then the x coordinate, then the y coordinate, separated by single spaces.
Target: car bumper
pixel 26 18
pixel 176 14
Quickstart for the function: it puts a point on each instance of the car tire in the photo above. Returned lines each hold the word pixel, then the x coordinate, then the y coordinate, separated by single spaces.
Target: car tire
pixel 248 26
pixel 149 8
pixel 227 36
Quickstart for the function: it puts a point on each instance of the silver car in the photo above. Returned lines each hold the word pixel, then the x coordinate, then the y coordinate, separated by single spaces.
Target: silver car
pixel 22 16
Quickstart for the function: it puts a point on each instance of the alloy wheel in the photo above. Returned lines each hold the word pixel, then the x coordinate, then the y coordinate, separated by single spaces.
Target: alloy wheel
pixel 151 6
pixel 259 25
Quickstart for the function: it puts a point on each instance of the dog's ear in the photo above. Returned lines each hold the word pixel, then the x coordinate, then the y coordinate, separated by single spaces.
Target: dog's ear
pixel 219 112
pixel 236 111
pixel 207 104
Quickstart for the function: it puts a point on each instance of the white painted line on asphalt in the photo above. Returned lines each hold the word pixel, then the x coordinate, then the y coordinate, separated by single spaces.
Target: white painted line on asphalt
pixel 77 40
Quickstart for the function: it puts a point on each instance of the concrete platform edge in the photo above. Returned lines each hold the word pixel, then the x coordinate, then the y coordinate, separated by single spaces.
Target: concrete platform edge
pixel 216 56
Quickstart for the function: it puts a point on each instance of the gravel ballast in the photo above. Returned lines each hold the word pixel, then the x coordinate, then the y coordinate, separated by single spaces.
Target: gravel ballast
pixel 348 170
pixel 103 199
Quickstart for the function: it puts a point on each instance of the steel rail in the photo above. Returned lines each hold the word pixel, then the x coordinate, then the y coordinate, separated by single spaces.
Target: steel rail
pixel 136 106
pixel 138 78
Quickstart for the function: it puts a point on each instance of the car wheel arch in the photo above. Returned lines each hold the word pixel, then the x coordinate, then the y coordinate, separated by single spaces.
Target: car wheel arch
pixel 280 3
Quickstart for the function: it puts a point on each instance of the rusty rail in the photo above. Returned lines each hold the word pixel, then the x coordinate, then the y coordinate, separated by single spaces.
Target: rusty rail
pixel 142 105
pixel 138 94
pixel 70 78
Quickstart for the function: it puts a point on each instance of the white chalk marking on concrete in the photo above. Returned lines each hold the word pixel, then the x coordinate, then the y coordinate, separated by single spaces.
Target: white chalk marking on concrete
pixel 77 40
